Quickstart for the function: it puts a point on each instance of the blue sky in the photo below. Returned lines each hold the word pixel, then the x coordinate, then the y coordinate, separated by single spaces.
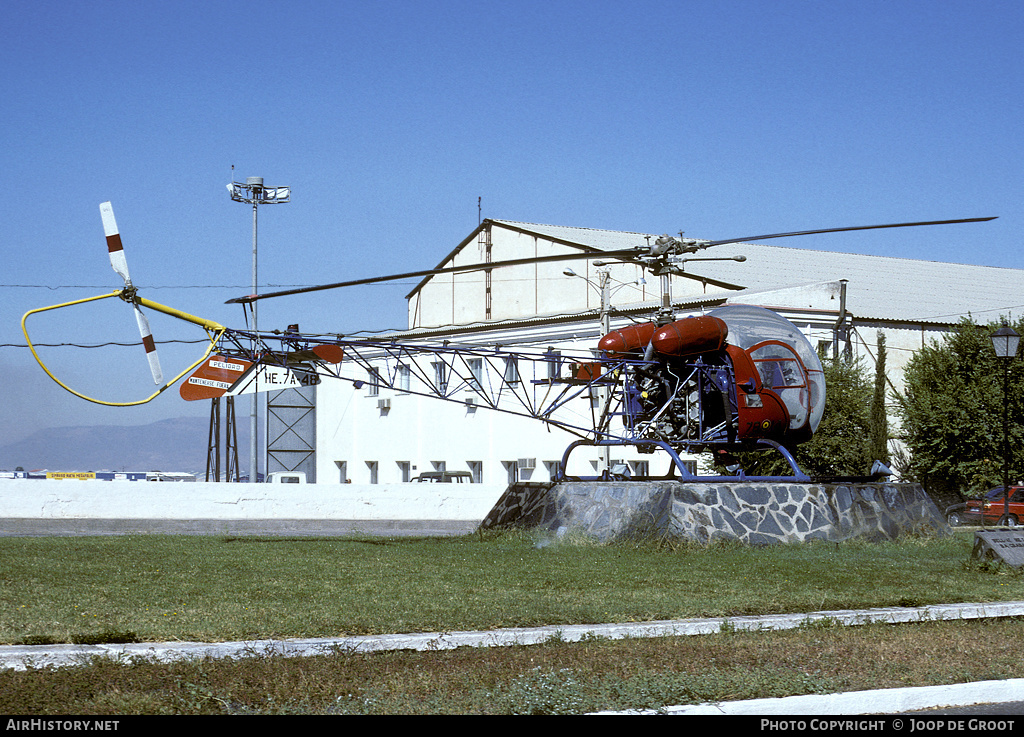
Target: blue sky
pixel 390 119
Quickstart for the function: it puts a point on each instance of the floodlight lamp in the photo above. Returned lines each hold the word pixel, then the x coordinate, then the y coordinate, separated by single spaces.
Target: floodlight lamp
pixel 254 192
pixel 272 195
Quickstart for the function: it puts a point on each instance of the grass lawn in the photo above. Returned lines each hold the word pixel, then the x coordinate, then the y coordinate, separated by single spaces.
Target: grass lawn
pixel 154 588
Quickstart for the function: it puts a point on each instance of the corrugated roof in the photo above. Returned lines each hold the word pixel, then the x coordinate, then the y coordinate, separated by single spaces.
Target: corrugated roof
pixel 605 240
pixel 879 287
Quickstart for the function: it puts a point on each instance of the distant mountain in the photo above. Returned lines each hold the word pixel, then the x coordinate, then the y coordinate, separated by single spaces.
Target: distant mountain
pixel 178 445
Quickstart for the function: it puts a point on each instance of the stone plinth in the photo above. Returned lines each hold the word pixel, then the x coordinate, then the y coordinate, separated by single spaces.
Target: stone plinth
pixel 757 513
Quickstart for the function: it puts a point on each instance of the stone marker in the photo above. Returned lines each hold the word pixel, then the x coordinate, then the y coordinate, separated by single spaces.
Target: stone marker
pixel 1006 545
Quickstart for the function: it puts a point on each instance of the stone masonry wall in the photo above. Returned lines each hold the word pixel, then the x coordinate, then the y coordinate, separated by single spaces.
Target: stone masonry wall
pixel 754 513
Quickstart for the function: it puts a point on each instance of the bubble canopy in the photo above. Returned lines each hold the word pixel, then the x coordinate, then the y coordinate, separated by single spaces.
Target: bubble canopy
pixel 785 360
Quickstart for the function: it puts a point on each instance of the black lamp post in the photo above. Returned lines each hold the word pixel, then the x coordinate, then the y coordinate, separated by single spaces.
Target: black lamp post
pixel 1005 341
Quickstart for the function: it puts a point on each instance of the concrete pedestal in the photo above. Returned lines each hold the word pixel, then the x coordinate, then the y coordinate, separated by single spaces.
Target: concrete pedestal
pixel 756 513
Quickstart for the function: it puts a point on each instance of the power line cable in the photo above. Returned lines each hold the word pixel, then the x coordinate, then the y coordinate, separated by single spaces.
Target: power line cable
pixel 95 345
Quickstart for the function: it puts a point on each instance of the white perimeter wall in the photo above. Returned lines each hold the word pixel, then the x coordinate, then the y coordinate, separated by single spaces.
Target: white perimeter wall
pixel 39 499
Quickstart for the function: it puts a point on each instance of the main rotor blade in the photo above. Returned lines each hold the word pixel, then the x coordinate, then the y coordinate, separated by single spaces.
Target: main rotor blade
pixel 625 254
pixel 707 244
pixel 114 247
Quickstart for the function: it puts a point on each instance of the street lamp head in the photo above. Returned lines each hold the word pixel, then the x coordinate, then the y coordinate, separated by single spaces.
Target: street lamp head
pixel 569 272
pixel 1005 341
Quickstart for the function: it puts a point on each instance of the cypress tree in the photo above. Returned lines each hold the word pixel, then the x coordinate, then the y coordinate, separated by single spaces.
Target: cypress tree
pixel 879 449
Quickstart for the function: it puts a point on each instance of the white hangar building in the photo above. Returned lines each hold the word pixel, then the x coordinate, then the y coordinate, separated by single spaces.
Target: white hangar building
pixel 376 428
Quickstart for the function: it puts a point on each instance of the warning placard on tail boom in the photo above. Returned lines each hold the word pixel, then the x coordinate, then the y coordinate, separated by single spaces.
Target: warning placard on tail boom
pixel 213 378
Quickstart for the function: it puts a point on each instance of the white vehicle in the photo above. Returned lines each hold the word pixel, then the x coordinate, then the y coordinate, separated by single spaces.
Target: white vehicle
pixel 287 477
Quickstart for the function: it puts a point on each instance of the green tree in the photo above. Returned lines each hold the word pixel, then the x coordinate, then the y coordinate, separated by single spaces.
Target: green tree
pixel 952 407
pixel 879 449
pixel 841 446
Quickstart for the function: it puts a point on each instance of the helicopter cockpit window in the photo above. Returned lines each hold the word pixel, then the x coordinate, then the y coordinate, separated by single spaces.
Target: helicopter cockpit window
pixel 752 327
pixel 781 371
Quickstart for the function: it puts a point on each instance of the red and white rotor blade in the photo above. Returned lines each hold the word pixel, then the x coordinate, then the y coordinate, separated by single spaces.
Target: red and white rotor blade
pixel 114 247
pixel 150 346
pixel 120 264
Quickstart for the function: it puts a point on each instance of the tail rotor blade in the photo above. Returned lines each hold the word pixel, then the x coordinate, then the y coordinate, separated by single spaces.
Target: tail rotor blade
pixel 117 259
pixel 150 346
pixel 120 264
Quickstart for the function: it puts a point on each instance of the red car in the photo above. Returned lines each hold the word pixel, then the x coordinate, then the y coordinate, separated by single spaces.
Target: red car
pixel 988 509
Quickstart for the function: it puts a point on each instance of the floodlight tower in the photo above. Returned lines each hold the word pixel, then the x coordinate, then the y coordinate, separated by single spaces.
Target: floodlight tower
pixel 254 192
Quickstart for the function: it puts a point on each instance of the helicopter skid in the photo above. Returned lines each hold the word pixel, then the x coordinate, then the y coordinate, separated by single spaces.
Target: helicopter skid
pixel 650 446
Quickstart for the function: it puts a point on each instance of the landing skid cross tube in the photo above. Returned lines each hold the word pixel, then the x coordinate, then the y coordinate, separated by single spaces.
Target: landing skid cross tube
pixel 678 464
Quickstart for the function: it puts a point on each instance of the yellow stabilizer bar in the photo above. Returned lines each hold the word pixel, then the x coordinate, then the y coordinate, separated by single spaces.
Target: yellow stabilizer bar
pixel 214 331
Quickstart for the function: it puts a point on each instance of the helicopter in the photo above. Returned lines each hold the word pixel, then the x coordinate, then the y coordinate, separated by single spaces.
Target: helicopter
pixel 736 379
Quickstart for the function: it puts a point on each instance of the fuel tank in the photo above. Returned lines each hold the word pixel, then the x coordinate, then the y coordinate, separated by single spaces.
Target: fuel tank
pixel 691 336
pixel 618 343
